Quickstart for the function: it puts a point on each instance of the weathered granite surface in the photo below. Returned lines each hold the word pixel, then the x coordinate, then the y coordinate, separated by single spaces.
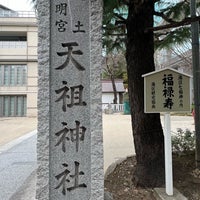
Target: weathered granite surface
pixel 70 150
pixel 43 8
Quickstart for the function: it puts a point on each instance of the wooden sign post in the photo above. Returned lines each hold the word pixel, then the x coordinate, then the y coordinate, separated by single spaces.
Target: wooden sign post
pixel 168 154
pixel 167 91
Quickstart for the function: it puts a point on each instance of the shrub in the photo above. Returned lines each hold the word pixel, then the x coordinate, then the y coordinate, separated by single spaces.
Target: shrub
pixel 183 141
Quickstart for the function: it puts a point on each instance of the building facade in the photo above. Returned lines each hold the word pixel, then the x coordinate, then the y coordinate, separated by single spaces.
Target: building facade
pixel 108 93
pixel 18 63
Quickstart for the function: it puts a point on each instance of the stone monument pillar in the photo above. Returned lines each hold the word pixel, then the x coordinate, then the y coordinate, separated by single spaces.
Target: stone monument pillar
pixel 69 148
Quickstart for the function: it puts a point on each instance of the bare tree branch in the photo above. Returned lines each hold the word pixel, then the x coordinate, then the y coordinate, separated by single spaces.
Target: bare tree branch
pixel 184 22
pixel 126 2
pixel 117 34
pixel 158 34
pixel 120 17
pixel 161 14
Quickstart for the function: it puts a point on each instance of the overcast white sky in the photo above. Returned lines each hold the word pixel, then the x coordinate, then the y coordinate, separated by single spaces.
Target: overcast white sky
pixel 18 5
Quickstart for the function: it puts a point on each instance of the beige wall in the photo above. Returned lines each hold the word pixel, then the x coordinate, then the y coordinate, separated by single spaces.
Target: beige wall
pixel 26 55
pixel 32 89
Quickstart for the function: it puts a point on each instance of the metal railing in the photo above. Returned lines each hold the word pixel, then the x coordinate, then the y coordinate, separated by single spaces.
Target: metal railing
pixel 113 107
pixel 10 13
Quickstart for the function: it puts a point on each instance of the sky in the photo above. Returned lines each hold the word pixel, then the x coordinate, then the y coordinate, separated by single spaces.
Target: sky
pixel 17 5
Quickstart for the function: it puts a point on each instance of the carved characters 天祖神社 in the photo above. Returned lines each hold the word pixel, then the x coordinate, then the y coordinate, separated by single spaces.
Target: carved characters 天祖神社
pixel 69 53
pixel 66 178
pixel 75 97
pixel 70 138
pixel 76 135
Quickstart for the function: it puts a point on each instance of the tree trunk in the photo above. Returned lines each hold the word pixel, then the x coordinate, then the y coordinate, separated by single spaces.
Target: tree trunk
pixel 114 89
pixel 147 129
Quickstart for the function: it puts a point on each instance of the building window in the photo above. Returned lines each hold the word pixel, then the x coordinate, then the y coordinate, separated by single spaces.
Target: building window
pixel 18 41
pixel 13 75
pixel 12 106
pixel 12 44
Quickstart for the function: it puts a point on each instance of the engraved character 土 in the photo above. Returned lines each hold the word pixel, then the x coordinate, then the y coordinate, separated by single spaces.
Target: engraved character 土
pixel 76 97
pixel 66 177
pixel 61 8
pixel 78 26
pixel 69 53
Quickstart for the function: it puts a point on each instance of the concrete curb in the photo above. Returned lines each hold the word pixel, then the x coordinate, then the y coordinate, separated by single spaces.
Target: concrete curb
pixel 11 144
pixel 113 166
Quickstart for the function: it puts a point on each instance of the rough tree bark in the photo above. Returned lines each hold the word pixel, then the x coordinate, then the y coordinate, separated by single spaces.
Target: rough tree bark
pixel 147 129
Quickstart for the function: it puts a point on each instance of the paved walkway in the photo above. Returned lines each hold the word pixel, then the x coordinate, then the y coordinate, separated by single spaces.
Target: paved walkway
pixel 117 138
pixel 117 135
pixel 16 165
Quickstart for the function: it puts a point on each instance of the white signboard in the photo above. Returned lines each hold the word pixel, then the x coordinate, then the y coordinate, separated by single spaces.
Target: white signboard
pixel 166 90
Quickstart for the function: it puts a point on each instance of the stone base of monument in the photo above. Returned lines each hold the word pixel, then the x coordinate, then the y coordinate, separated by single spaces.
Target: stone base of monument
pixel 160 194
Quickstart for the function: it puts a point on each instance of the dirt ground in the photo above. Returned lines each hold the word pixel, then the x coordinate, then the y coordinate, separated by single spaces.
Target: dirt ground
pixel 186 180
